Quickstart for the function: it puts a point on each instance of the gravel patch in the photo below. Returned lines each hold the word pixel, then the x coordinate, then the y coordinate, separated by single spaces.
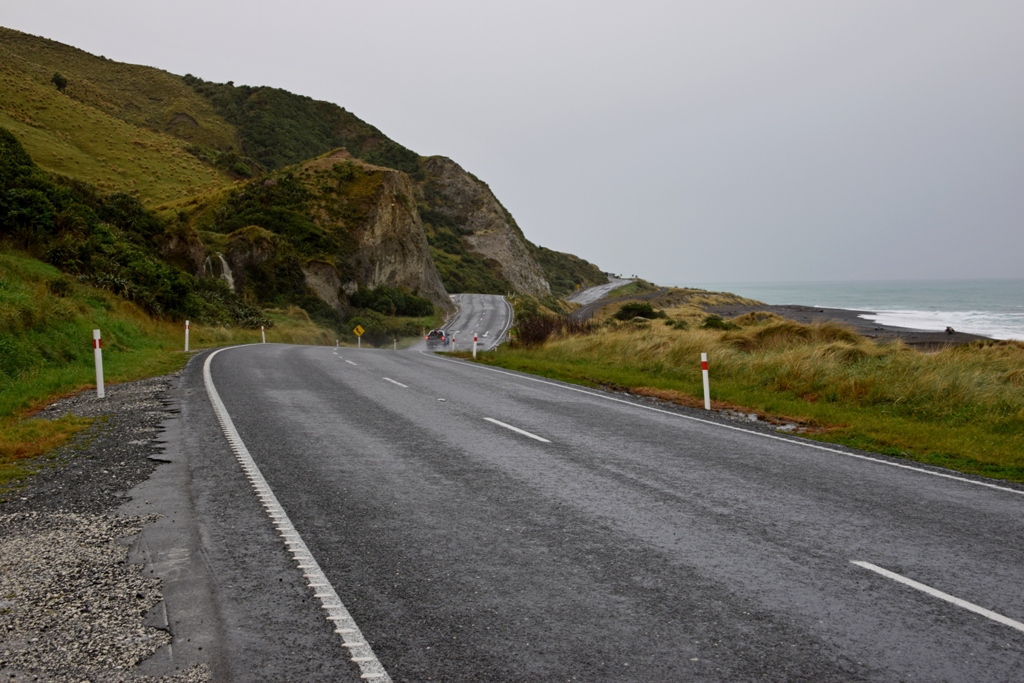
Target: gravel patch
pixel 72 608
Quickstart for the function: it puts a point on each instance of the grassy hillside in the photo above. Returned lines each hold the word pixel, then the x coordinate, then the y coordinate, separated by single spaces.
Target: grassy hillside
pixel 105 128
pixel 46 323
pixel 139 95
pixel 168 139
pixel 110 241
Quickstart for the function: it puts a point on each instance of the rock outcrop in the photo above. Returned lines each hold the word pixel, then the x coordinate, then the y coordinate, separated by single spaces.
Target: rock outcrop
pixel 485 227
pixel 323 279
pixel 257 260
pixel 392 247
pixel 375 207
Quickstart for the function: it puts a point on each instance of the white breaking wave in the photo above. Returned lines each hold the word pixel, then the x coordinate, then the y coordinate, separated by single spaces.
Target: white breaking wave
pixel 986 323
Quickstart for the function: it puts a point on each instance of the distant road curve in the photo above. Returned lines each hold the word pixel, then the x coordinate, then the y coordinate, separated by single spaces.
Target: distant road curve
pixel 592 294
pixel 488 316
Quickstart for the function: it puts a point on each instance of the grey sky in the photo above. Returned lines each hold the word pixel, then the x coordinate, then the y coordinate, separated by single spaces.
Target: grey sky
pixel 682 141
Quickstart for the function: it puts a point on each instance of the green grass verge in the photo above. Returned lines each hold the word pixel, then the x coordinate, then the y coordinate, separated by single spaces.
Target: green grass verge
pixel 46 324
pixel 961 408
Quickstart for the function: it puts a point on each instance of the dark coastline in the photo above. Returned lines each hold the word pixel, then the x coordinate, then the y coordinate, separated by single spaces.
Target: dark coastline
pixel 921 339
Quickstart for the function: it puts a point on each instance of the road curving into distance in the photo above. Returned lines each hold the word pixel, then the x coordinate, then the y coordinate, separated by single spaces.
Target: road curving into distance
pixel 488 316
pixel 485 525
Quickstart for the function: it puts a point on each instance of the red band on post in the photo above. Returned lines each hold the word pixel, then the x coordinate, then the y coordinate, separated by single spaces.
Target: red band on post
pixel 704 365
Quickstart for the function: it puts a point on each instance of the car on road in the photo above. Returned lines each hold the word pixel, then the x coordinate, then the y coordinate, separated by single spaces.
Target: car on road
pixel 437 338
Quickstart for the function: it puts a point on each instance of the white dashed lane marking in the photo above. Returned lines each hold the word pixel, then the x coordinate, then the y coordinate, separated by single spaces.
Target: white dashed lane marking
pixel 970 606
pixel 762 435
pixel 388 379
pixel 517 430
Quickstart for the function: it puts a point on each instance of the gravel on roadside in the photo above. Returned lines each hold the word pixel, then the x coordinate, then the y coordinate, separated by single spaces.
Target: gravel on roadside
pixel 72 608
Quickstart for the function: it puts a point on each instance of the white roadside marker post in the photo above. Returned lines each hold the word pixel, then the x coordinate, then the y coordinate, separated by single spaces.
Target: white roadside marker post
pixel 337 343
pixel 359 342
pixel 396 345
pixel 186 335
pixel 474 346
pixel 263 334
pixel 707 383
pixel 97 352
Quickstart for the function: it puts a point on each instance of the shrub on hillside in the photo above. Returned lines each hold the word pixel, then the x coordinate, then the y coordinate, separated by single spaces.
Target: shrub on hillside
pixel 392 301
pixel 638 309
pixel 107 241
pixel 715 322
pixel 534 330
pixel 238 166
pixel 566 272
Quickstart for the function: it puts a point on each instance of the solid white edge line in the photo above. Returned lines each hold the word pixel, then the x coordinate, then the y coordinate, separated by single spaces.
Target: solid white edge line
pixel 388 379
pixel 359 650
pixel 805 444
pixel 970 606
pixel 511 317
pixel 517 429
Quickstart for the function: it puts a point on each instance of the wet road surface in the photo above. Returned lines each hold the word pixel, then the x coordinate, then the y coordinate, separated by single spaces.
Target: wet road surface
pixel 484 525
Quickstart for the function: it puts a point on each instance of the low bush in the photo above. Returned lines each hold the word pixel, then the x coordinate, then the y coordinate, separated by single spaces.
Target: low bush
pixel 715 322
pixel 392 301
pixel 780 333
pixel 534 330
pixel 638 309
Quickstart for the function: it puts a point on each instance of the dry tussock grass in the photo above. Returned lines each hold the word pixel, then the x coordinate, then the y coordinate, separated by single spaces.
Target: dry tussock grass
pixel 819 362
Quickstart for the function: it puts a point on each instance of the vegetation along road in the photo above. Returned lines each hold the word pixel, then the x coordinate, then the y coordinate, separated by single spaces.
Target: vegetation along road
pixel 479 524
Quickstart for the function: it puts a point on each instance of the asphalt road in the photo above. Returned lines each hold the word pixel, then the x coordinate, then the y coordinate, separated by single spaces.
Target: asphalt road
pixel 592 294
pixel 488 316
pixel 605 541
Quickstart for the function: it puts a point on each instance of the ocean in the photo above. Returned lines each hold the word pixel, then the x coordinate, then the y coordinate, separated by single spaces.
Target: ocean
pixel 994 308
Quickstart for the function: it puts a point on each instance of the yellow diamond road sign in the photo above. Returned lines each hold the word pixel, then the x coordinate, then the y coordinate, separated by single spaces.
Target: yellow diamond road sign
pixel 358 331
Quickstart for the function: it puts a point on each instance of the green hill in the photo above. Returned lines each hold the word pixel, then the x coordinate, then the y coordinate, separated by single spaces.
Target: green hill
pixel 132 198
pixel 167 139
pixel 113 125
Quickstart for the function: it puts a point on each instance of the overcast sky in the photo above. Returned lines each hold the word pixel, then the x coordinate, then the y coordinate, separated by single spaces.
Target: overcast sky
pixel 686 142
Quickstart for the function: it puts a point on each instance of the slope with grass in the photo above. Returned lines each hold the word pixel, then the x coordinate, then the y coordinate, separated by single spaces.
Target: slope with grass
pixel 961 408
pixel 167 139
pixel 109 240
pixel 46 324
pixel 111 125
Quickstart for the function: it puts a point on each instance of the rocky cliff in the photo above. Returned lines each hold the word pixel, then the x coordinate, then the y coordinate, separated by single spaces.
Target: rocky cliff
pixel 375 207
pixel 459 203
pixel 320 230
